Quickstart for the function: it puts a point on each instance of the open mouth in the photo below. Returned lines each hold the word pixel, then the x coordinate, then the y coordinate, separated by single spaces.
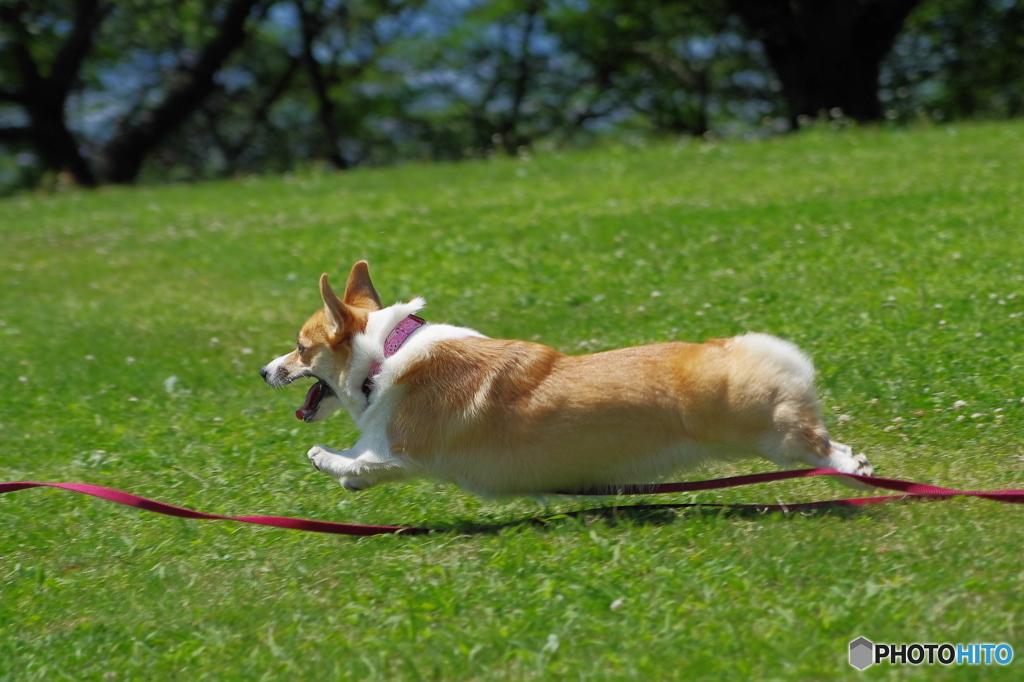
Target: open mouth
pixel 317 392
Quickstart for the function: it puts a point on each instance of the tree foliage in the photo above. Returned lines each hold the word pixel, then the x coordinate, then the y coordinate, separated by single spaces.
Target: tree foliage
pixel 115 90
pixel 958 59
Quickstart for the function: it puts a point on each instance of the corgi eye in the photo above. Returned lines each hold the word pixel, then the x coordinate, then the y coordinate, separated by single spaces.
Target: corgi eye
pixel 299 347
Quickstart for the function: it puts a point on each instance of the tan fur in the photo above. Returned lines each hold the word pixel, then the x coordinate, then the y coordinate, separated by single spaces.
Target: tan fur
pixel 513 417
pixel 476 397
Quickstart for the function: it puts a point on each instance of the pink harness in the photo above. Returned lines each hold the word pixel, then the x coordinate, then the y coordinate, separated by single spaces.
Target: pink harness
pixel 398 336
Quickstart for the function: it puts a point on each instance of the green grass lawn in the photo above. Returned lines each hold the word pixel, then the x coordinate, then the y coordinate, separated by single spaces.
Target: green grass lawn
pixel 133 323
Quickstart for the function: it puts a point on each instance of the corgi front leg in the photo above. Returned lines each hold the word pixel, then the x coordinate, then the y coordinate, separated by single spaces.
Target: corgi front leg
pixel 359 468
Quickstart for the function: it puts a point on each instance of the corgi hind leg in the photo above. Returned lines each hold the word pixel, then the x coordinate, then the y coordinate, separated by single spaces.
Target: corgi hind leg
pixel 801 438
pixel 842 458
pixel 838 456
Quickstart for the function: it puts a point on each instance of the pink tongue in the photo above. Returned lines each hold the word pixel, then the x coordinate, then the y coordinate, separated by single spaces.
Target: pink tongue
pixel 313 397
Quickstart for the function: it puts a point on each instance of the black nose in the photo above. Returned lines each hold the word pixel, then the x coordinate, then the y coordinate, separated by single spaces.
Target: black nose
pixel 263 373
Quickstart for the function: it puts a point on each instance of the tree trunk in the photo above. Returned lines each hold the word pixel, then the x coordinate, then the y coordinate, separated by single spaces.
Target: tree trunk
pixel 48 134
pixel 43 97
pixel 58 147
pixel 827 53
pixel 325 107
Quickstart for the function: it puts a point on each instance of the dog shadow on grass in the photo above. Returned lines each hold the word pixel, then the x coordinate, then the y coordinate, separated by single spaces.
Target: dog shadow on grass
pixel 647 515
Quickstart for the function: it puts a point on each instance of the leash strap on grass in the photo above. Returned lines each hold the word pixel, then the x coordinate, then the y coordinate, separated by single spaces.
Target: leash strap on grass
pixel 908 489
pixel 170 510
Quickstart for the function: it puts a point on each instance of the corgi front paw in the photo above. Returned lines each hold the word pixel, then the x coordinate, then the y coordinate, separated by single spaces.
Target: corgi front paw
pixel 319 455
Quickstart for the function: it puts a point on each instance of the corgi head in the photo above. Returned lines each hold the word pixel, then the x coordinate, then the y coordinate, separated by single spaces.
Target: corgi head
pixel 323 349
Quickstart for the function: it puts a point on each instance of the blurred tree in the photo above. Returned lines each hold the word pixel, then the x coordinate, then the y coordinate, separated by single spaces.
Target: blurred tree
pixel 237 119
pixel 223 26
pixel 827 53
pixel 316 82
pixel 314 17
pixel 235 128
pixel 464 79
pixel 958 59
pixel 341 43
pixel 499 78
pixel 110 89
pixel 41 55
pixel 508 73
pixel 664 60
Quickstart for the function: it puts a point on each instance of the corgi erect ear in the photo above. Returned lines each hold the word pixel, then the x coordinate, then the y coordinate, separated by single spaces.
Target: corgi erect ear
pixel 359 291
pixel 338 314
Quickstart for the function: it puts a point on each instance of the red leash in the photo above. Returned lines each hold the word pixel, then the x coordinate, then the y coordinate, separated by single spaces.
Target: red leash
pixel 908 489
pixel 170 510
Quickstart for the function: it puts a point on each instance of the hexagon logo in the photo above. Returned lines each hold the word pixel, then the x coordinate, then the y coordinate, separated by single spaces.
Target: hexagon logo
pixel 861 653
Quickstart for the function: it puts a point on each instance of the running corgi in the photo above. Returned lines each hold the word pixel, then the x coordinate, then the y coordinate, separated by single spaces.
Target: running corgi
pixel 503 417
